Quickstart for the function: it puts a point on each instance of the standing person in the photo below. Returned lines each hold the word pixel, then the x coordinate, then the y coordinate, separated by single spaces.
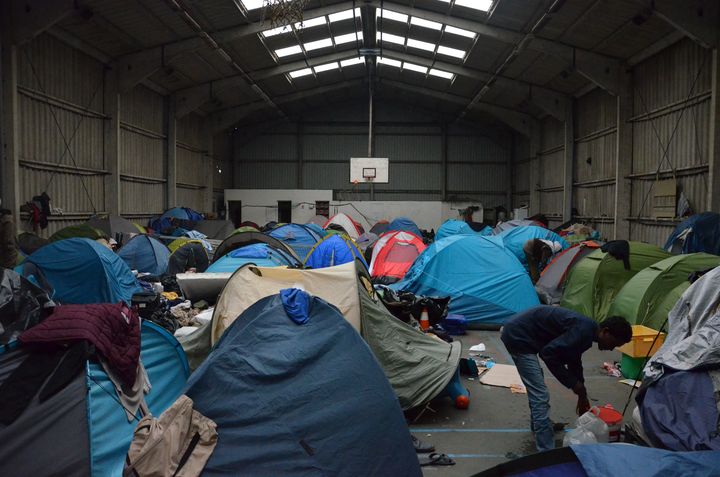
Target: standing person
pixel 8 240
pixel 538 253
pixel 560 337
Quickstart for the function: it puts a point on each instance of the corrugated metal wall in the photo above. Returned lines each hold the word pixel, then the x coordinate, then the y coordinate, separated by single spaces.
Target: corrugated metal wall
pixel 522 161
pixel 192 157
pixel 670 112
pixel 669 123
pixel 551 157
pixel 61 100
pixel 315 153
pixel 143 149
pixel 594 166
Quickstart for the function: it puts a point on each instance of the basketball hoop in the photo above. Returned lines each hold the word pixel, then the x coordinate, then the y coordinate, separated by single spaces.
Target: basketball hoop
pixel 369 174
pixel 280 13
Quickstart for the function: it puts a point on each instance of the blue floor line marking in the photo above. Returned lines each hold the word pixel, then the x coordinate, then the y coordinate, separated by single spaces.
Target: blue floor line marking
pixel 438 430
pixel 479 456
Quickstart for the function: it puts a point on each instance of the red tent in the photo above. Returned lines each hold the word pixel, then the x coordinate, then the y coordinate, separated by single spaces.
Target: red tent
pixel 393 255
pixel 346 224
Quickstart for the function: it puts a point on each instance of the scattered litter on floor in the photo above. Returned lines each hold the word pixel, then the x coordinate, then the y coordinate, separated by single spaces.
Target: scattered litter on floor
pixel 611 369
pixel 478 348
pixel 631 382
pixel 518 389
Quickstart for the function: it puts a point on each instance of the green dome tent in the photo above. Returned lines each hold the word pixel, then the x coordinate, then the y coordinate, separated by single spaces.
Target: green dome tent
pixel 647 297
pixel 78 231
pixel 595 281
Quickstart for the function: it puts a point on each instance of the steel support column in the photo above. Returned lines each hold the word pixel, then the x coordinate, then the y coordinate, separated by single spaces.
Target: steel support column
pixel 171 154
pixel 10 171
pixel 111 145
pixel 569 161
pixel 623 157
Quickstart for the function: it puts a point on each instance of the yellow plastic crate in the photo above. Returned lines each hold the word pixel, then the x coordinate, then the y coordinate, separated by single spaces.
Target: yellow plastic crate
pixel 642 339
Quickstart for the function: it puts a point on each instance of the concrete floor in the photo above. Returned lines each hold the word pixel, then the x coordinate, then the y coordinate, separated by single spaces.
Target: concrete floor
pixel 496 427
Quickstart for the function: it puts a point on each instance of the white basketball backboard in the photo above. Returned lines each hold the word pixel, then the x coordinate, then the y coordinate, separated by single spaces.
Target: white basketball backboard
pixel 373 170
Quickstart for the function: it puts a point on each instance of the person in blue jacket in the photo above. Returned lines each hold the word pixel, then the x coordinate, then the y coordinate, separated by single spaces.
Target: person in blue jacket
pixel 560 337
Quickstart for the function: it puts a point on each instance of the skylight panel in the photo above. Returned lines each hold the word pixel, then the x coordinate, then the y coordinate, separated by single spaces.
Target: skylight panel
pixel 459 31
pixel 277 31
pixel 327 67
pixel 352 61
pixel 347 38
pixel 422 45
pixel 454 52
pixel 253 4
pixel 290 50
pixel 482 5
pixel 310 23
pixel 390 38
pixel 390 62
pixel 314 45
pixel 414 67
pixel 440 73
pixel 425 23
pixel 299 73
pixel 390 15
pixel 344 15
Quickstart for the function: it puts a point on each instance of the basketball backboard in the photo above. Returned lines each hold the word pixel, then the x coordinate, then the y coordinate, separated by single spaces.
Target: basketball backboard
pixel 373 170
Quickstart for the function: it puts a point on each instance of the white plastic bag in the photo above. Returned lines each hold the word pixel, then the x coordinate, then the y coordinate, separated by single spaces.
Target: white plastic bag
pixel 589 429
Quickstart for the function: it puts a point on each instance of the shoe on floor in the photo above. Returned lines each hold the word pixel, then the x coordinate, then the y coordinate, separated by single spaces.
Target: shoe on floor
pixel 420 446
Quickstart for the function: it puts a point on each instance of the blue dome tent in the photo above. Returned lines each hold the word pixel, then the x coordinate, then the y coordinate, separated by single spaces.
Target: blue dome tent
pixel 260 254
pixel 177 216
pixel 515 238
pixel 80 271
pixel 334 249
pixel 459 227
pixel 300 238
pixel 484 280
pixel 82 429
pixel 698 233
pixel 146 255
pixel 403 224
pixel 321 404
pixel 317 229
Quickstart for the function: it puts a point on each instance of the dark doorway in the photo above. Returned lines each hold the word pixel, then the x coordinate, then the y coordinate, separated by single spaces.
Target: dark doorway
pixel 284 211
pixel 235 212
pixel 322 207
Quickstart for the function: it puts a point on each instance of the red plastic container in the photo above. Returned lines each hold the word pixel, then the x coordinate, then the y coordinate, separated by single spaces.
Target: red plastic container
pixel 613 419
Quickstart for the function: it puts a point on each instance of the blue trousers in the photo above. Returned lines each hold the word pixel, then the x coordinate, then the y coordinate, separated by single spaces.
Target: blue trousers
pixel 532 377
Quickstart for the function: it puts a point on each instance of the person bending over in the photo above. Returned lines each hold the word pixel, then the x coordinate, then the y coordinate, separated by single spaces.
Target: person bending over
pixel 560 337
pixel 538 253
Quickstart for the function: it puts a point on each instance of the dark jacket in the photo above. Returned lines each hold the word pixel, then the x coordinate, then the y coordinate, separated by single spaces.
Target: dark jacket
pixel 114 330
pixel 559 336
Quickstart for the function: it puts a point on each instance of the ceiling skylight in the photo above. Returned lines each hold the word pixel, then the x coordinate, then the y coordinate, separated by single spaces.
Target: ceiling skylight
pixel 390 62
pixel 347 38
pixel 454 52
pixel 414 67
pixel 290 50
pixel 352 61
pixel 277 31
pixel 255 4
pixel 314 45
pixel 459 31
pixel 311 23
pixel 422 45
pixel 390 38
pixel 326 67
pixel 390 15
pixel 344 15
pixel 425 23
pixel 482 5
pixel 440 73
pixel 299 73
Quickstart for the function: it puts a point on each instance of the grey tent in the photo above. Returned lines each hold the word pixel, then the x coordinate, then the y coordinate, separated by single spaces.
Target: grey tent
pixel 418 366
pixel 246 238
pixel 114 226
pixel 318 220
pixel 215 229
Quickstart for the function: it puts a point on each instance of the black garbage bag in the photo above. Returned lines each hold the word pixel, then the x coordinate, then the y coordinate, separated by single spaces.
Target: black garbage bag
pixel 408 307
pixel 22 305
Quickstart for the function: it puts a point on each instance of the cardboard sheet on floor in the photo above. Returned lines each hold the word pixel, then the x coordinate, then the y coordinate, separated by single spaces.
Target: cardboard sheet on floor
pixel 503 375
